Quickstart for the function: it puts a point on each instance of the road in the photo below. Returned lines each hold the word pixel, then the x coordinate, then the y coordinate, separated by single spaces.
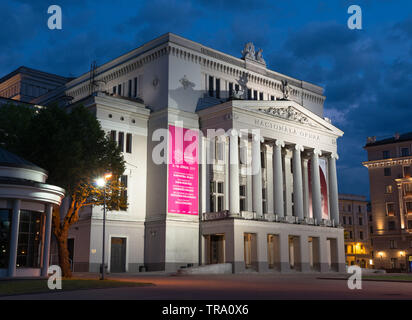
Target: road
pixel 234 287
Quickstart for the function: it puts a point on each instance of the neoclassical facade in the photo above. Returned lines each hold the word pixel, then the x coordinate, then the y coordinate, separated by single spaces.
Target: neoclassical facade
pixel 261 194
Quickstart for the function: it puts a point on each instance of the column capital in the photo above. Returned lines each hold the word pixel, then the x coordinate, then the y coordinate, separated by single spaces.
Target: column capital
pixel 317 152
pixel 279 143
pixel 257 137
pixel 334 155
pixel 234 133
pixel 298 147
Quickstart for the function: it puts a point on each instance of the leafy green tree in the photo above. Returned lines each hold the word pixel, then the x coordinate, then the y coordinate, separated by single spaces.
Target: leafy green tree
pixel 73 148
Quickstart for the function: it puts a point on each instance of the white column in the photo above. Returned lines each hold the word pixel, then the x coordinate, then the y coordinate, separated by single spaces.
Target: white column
pixel 305 178
pixel 287 176
pixel 269 179
pixel 14 237
pixel 278 177
pixel 297 182
pixel 227 170
pixel 234 173
pixel 47 237
pixel 333 189
pixel 257 175
pixel 315 180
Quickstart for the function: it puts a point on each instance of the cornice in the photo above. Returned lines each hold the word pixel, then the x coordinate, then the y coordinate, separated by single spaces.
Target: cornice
pixel 388 162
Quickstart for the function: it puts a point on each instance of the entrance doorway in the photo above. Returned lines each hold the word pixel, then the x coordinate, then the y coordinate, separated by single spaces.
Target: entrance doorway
pixel 273 252
pixel 118 255
pixel 215 248
pixel 250 250
pixel 294 253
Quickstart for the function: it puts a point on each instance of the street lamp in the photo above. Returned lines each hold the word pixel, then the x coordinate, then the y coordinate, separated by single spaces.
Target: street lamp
pixel 101 183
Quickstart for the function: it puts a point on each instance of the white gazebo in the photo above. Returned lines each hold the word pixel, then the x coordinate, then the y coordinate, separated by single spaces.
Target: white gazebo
pixel 26 206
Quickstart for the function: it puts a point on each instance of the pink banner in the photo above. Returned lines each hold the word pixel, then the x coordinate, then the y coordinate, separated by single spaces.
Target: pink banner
pixel 183 171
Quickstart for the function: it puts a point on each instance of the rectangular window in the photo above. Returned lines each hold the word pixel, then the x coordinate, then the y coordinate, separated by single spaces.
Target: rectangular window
pixel 408 189
pixel 409 207
pixel 129 143
pixel 371 229
pixel 114 90
pixel 391 225
pixel 129 89
pixel 262 159
pixel 360 221
pixel 344 220
pixel 230 89
pixel 350 234
pixel 121 141
pixel 387 172
pixel 218 88
pixel 390 209
pixel 260 95
pixel 407 172
pixel 5 230
pixel 386 154
pixel 135 87
pixel 255 95
pixel 211 86
pixel 361 235
pixel 236 87
pixel 113 135
pixel 217 196
pixel 249 94
pixel 409 224
pixel 220 150
pixel 272 98
pixel 350 221
pixel 392 244
pixel 119 89
pixel 123 181
pixel 242 194
pixel 405 152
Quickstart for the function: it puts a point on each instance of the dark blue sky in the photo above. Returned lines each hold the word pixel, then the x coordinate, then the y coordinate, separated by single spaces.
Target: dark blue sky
pixel 367 74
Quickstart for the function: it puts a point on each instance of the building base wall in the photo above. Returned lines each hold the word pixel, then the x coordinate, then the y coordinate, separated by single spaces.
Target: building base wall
pixel 299 248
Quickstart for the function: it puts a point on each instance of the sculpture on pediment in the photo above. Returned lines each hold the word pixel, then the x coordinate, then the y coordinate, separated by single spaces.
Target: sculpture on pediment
pixel 248 51
pixel 288 113
pixel 285 89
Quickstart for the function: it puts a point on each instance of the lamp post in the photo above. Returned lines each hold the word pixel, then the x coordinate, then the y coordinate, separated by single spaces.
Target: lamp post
pixel 101 182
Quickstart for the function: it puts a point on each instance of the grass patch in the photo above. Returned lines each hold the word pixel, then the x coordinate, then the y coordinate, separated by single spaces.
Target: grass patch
pixel 13 287
pixel 398 277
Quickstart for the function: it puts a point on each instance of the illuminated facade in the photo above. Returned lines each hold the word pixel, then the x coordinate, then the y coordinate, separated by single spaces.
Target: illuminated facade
pixel 389 164
pixel 355 219
pixel 262 196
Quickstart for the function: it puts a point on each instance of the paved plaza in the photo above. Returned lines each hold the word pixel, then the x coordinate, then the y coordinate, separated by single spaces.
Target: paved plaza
pixel 235 287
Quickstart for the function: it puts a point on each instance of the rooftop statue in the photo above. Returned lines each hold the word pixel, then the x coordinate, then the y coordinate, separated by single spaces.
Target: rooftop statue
pixel 248 51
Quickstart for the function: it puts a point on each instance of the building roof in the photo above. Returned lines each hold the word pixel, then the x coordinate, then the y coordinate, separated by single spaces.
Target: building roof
pixel 394 139
pixel 9 159
pixel 352 197
pixel 24 69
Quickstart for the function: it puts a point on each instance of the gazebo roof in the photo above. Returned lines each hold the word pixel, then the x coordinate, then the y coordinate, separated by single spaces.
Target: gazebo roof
pixel 9 159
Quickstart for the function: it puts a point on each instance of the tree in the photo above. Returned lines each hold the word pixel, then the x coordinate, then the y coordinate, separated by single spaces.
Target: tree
pixel 73 148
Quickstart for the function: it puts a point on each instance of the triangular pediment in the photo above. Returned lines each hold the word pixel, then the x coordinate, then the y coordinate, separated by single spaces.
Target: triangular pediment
pixel 290 111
